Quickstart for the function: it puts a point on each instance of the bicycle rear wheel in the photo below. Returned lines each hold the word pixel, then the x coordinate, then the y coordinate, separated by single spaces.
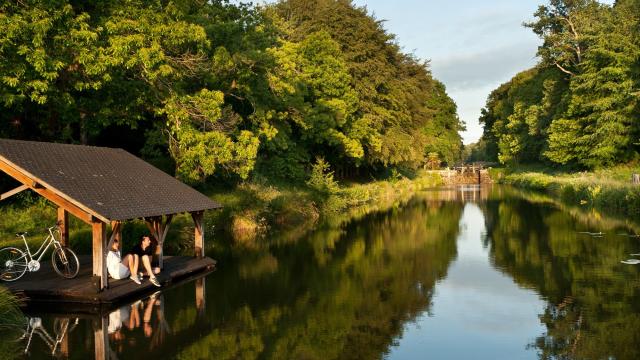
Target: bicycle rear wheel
pixel 65 262
pixel 13 264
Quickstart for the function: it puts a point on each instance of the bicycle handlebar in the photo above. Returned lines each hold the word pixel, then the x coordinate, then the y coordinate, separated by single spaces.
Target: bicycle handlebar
pixel 58 223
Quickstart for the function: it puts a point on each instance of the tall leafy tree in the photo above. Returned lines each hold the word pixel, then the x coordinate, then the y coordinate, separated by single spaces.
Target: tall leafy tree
pixel 599 126
pixel 398 99
pixel 586 113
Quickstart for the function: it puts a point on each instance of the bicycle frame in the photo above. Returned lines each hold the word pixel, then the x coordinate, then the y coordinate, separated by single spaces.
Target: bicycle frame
pixel 48 241
pixel 34 325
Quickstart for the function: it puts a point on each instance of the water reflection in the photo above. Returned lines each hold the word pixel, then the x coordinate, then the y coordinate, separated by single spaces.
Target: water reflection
pixel 477 312
pixel 592 309
pixel 340 293
pixel 55 338
pixel 458 273
pixel 143 315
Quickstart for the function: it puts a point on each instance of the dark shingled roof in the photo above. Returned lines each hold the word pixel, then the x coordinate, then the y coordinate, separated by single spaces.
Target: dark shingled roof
pixel 111 182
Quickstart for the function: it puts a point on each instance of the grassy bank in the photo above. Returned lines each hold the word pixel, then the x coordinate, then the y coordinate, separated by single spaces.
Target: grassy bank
pixel 251 210
pixel 254 209
pixel 606 190
pixel 10 319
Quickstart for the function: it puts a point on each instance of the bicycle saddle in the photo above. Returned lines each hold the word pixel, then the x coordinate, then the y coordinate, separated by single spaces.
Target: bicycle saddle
pixel 21 233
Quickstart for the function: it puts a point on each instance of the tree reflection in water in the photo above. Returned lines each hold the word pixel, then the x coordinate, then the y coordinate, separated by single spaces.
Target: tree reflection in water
pixel 347 291
pixel 593 309
pixel 341 293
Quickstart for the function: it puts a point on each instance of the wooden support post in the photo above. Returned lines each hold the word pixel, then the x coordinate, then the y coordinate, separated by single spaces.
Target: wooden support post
pixel 159 229
pixel 201 300
pixel 198 219
pixel 99 261
pixel 64 342
pixel 63 220
pixel 116 234
pixel 101 338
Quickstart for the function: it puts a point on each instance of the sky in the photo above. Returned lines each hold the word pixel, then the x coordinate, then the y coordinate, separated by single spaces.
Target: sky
pixel 473 46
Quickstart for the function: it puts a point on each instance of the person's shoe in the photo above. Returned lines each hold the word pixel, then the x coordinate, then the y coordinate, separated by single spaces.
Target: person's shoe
pixel 141 275
pixel 154 281
pixel 135 279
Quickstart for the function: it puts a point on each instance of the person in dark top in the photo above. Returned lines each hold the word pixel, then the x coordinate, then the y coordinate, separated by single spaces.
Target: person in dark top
pixel 145 250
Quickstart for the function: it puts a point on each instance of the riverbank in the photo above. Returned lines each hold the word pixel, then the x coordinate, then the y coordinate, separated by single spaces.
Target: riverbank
pixel 606 190
pixel 251 210
pixel 254 209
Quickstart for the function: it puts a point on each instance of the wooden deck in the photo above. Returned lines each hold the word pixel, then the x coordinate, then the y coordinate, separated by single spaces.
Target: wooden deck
pixel 45 286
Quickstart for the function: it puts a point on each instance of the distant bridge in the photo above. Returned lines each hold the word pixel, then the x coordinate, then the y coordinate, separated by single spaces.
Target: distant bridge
pixel 464 174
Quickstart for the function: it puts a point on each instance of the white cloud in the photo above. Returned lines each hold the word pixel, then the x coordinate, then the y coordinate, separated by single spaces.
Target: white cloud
pixel 496 65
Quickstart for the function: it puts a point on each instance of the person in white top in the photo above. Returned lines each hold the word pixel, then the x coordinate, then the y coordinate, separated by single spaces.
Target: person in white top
pixel 119 268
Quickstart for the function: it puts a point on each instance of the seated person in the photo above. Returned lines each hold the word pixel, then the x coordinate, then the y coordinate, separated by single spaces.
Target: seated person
pixel 145 250
pixel 119 268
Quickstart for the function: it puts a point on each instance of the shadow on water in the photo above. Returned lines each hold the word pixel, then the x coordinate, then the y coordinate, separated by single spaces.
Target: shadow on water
pixel 348 291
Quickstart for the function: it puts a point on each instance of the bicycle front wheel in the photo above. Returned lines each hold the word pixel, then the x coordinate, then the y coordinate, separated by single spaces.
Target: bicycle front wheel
pixel 65 262
pixel 13 264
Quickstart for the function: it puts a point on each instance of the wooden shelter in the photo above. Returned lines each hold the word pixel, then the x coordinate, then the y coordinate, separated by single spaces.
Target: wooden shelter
pixel 103 187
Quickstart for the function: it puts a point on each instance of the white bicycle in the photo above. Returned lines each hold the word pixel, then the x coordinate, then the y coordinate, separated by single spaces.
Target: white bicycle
pixel 15 262
pixel 61 328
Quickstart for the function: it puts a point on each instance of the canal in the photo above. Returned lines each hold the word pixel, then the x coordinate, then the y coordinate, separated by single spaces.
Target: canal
pixel 457 273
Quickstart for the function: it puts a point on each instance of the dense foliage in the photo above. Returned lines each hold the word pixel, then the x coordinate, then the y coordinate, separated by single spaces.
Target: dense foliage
pixel 222 88
pixel 580 105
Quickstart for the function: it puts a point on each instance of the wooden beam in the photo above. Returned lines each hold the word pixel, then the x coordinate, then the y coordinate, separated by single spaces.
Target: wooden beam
pixel 13 192
pixel 49 193
pixel 64 342
pixel 63 221
pixel 151 223
pixel 201 299
pixel 116 233
pixel 159 229
pixel 101 339
pixel 99 230
pixel 198 219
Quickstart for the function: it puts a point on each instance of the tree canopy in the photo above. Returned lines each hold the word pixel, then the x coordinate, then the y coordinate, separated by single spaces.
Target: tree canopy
pixel 579 106
pixel 222 88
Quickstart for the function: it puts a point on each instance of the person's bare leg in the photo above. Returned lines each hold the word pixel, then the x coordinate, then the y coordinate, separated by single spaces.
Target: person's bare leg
pixel 131 261
pixel 134 317
pixel 126 260
pixel 146 263
pixel 147 311
pixel 136 264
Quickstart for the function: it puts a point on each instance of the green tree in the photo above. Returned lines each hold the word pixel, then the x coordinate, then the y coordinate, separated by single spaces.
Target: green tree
pixel 599 127
pixel 401 112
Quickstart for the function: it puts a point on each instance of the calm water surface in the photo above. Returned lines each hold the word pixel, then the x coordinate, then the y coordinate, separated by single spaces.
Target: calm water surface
pixel 463 273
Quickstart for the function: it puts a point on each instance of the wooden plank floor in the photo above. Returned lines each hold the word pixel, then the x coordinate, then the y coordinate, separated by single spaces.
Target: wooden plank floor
pixel 47 286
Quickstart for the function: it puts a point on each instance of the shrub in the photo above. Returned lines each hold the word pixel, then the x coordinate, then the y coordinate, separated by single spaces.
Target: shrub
pixel 321 179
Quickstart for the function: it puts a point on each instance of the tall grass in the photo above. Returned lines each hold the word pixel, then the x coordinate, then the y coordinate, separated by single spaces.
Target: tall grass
pixel 11 319
pixel 9 308
pixel 607 189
